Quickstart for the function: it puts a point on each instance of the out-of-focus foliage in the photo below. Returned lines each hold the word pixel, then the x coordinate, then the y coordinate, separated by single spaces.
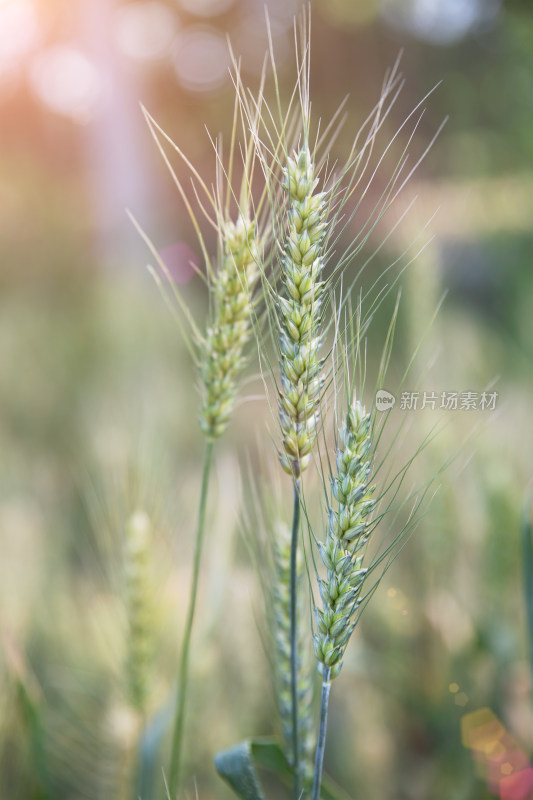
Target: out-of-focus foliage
pixel 98 408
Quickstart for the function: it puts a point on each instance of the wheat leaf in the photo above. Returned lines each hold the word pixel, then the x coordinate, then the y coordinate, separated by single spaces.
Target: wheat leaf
pixel 236 767
pixel 268 753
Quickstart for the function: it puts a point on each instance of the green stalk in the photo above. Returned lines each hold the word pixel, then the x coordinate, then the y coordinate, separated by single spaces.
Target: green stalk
pixel 321 744
pixel 294 640
pixel 183 677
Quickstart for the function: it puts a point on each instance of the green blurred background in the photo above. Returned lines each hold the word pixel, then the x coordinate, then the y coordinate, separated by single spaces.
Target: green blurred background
pixel 98 402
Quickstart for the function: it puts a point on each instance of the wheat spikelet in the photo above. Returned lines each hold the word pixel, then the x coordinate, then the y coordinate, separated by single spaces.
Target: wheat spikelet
pixel 299 313
pixel 348 532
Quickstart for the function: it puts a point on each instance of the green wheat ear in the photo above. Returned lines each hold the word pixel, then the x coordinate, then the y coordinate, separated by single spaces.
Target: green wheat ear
pixel 349 528
pixel 231 278
pixel 299 312
pixel 222 349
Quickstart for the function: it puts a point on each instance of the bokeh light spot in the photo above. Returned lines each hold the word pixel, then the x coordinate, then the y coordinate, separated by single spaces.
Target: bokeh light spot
pixel 442 22
pixel 512 760
pixel 480 727
pixel 461 699
pixel 145 31
pixel 19 33
pixel 201 59
pixel 18 28
pixel 398 601
pixel 501 762
pixel 453 688
pixel 496 751
pixel 67 82
pixel 518 786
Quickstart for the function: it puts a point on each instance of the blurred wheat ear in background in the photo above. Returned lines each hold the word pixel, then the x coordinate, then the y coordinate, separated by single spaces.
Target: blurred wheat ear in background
pixel 139 603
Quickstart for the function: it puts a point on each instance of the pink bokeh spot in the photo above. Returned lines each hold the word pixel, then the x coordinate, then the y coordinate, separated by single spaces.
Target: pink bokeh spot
pixel 518 786
pixel 498 758
pixel 512 762
pixel 180 261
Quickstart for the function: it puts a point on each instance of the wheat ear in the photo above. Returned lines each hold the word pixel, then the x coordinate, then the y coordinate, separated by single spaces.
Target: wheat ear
pixel 299 313
pixel 343 554
pixel 300 364
pixel 222 350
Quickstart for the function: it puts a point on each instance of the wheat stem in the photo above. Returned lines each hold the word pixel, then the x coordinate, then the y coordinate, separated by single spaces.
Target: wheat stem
pixel 280 601
pixel 321 744
pixel 294 639
pixel 177 739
